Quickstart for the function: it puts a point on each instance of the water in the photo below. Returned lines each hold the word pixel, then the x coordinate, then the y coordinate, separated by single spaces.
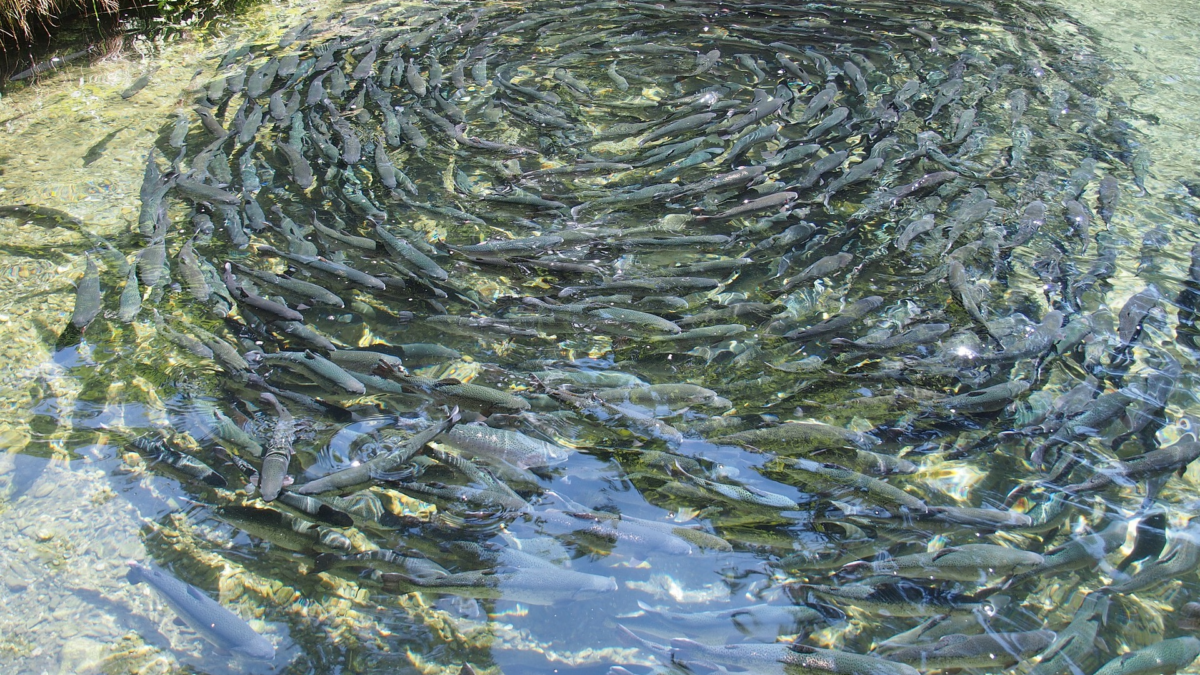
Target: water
pixel 79 501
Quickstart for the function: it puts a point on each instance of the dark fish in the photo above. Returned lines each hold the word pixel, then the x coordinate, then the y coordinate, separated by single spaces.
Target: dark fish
pixel 317 367
pixel 137 85
pixel 87 296
pixel 919 335
pixel 97 150
pixel 240 293
pixel 819 168
pixel 821 268
pixel 1149 540
pixel 1134 311
pixel 685 124
pixel 131 298
pixel 1175 457
pixel 1109 193
pixel 1097 416
pixel 834 118
pixel 329 267
pixel 1032 220
pixel 206 193
pixel 751 206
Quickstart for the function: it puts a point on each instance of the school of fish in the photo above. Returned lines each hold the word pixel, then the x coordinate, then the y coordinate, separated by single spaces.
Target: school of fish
pixel 757 337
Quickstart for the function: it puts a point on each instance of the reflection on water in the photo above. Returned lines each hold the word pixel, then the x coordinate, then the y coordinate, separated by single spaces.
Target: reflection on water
pixel 821 332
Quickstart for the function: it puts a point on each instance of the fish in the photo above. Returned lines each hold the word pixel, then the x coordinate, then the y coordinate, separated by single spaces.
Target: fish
pixel 131 298
pixel 753 205
pixel 1167 656
pixel 797 434
pixel 238 290
pixel 705 62
pixel 821 268
pixel 1173 458
pixel 1074 646
pixel 927 633
pixel 743 494
pixel 966 294
pixel 643 535
pixel 758 621
pixel 785 658
pixel 992 650
pixel 329 267
pixel 381 560
pixel 317 367
pixel 1081 551
pixel 831 478
pixel 810 303
pixel 845 319
pixel 410 254
pixel 299 167
pixel 452 389
pixel 217 625
pixel 278 451
pixel 918 335
pixel 307 290
pixel 87 296
pixel 1032 220
pixel 96 151
pixel 1149 540
pixel 664 394
pixel 1108 195
pixel 899 598
pixel 161 451
pixel 684 124
pixel 1180 557
pixel 819 168
pixel 834 118
pixel 1098 415
pixel 979 563
pixel 818 103
pixel 939 518
pixel 988 399
pixel 617 78
pixel 501 444
pixel 205 193
pixel 1134 311
pixel 543 586
pixel 361 474
pixel 363 360
pixel 855 174
pixel 137 85
pixel 747 140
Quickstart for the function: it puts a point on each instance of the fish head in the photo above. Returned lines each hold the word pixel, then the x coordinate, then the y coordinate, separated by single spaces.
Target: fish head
pixel 719 403
pixel 1026 562
pixel 595 587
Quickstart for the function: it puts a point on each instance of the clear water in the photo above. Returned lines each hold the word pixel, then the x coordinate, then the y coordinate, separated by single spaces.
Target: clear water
pixel 77 502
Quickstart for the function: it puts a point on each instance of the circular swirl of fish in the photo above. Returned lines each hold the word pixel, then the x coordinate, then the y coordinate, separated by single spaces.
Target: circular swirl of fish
pixel 648 242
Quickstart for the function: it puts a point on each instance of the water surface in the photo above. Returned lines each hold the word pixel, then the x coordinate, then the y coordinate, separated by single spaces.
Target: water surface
pixel 79 501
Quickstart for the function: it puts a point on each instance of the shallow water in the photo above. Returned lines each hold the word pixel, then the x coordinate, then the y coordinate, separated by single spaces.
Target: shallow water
pixel 78 501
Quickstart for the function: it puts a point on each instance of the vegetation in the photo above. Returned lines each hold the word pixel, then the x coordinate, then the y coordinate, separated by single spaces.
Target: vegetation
pixel 27 24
